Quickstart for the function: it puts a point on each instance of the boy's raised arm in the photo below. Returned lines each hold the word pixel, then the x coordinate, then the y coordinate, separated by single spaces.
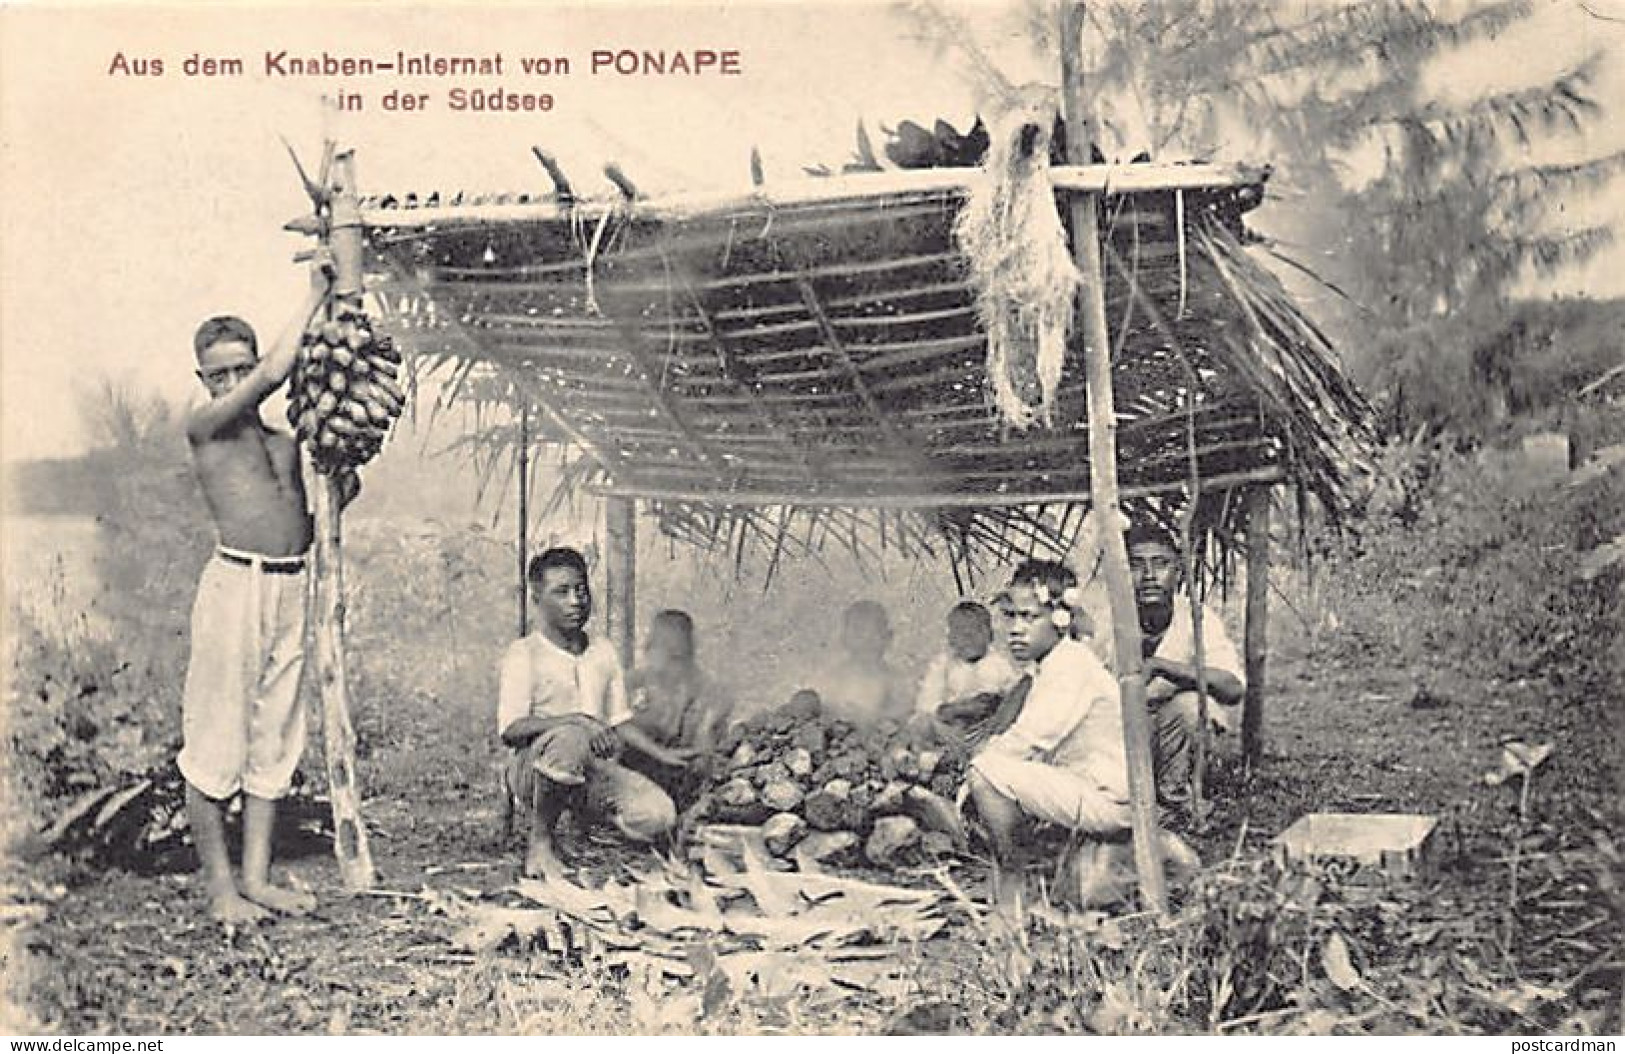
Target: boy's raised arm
pixel 213 416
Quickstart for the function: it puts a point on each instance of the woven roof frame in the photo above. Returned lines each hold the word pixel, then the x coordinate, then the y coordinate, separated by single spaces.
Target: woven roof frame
pixel 819 349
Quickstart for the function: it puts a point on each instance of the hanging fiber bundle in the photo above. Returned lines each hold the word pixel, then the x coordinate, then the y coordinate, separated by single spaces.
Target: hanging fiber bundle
pixel 1020 263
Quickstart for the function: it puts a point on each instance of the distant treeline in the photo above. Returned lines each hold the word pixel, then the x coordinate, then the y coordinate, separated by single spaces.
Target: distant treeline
pixel 59 486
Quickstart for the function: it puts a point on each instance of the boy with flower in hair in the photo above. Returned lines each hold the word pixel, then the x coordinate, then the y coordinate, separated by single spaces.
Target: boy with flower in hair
pixel 1062 761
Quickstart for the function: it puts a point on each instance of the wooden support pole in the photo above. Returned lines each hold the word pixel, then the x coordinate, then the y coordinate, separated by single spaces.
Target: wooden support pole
pixel 1256 632
pixel 1103 474
pixel 338 735
pixel 620 577
pixel 524 519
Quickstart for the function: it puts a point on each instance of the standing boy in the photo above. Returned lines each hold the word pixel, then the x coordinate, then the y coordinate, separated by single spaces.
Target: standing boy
pixel 563 709
pixel 242 724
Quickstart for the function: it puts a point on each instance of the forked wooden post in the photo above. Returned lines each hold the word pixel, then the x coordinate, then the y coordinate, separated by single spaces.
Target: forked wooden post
pixel 1256 632
pixel 620 577
pixel 1103 473
pixel 338 735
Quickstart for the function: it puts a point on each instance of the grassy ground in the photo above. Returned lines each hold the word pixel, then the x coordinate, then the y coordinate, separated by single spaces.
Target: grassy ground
pixel 1396 677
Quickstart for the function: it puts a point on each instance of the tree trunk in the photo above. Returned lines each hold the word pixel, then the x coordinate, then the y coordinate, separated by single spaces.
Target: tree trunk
pixel 1103 474
pixel 524 520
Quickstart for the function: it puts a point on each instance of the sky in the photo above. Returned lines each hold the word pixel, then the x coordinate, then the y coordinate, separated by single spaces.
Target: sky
pixel 136 206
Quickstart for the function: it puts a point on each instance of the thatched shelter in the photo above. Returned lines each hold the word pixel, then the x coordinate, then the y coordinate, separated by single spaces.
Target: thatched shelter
pixel 890 358
pixel 806 362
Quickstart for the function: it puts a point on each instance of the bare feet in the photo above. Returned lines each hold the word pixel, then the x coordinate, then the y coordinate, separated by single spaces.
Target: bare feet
pixel 1103 872
pixel 285 901
pixel 541 862
pixel 231 908
pixel 1008 890
pixel 1180 858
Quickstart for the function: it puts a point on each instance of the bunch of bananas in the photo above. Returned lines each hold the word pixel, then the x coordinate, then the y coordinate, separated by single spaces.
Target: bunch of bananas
pixel 344 393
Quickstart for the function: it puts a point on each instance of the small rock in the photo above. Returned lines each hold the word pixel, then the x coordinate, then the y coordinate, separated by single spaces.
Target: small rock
pixel 743 757
pixel 772 772
pixel 840 789
pixel 892 836
pixel 799 761
pixel 850 765
pixel 929 759
pixel 1424 699
pixel 890 798
pixel 803 706
pixel 809 739
pixel 821 847
pixel 782 831
pixel 736 793
pixel 825 812
pixel 781 795
pixel 936 843
pixel 934 812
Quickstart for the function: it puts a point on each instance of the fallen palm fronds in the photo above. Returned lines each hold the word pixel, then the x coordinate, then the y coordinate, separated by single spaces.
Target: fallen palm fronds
pixel 758 930
pixel 138 822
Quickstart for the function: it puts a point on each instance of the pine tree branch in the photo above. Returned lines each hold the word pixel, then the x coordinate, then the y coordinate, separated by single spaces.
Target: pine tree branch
pixel 1561 101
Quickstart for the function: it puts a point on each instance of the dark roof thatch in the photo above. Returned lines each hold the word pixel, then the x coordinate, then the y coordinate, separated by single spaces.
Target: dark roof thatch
pixel 807 362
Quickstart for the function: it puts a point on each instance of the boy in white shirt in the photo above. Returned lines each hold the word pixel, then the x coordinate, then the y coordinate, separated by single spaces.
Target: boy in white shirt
pixel 1169 650
pixel 1063 760
pixel 563 709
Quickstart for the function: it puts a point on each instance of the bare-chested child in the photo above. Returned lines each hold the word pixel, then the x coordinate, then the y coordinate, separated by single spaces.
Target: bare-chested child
pixel 859 684
pixel 678 712
pixel 966 682
pixel 243 727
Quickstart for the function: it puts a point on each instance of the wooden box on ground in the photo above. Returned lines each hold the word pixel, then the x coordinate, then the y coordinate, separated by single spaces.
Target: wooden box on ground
pixel 1398 845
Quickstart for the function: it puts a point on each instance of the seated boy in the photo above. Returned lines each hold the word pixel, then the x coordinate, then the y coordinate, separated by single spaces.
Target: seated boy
pixel 964 683
pixel 563 709
pixel 677 708
pixel 861 686
pixel 1062 761
pixel 1168 643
